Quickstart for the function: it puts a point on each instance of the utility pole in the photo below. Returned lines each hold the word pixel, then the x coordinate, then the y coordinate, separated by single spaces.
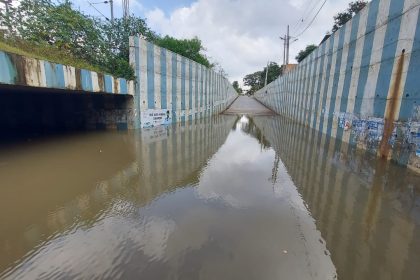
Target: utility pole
pixel 284 48
pixel 111 3
pixel 288 45
pixel 126 8
pixel 266 74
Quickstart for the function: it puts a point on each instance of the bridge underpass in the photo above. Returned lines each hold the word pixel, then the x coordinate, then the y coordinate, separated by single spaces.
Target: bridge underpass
pixel 31 111
pixel 248 194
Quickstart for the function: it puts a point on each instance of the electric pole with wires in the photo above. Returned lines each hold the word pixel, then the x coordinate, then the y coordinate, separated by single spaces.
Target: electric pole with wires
pixel 266 73
pixel 287 45
pixel 111 4
pixel 126 8
pixel 298 26
pixel 284 49
pixel 287 42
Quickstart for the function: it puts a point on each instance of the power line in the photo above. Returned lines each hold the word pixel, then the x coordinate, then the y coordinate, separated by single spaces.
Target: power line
pixel 305 14
pixel 98 10
pixel 312 21
pixel 311 10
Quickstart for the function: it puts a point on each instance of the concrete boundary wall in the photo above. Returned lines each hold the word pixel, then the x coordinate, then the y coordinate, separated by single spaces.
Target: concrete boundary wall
pixel 362 85
pixel 17 70
pixel 168 82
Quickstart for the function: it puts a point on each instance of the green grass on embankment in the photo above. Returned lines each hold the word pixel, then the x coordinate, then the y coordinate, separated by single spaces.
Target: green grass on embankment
pixel 48 53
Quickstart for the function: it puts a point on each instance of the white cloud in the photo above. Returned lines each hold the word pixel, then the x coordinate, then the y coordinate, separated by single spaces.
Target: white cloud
pixel 135 6
pixel 242 35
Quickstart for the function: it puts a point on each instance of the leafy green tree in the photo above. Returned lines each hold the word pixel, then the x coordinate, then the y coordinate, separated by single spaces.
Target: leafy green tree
pixel 304 53
pixel 255 81
pixel 341 18
pixel 236 86
pixel 117 34
pixel 28 19
pixel 190 48
pixel 73 31
pixel 274 71
pixel 41 22
pixel 56 26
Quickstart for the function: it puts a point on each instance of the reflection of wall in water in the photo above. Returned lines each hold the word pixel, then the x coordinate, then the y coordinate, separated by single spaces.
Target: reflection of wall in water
pixel 368 211
pixel 174 156
pixel 173 159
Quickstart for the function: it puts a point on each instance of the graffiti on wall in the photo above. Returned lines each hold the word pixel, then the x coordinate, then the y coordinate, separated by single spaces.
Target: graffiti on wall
pixel 371 130
pixel 414 136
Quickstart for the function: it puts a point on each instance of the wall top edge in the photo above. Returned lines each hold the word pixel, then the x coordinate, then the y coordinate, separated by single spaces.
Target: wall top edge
pixel 177 54
pixel 59 64
pixel 326 43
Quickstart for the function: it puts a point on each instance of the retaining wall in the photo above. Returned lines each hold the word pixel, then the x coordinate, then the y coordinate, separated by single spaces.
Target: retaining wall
pixel 38 95
pixel 362 85
pixel 17 70
pixel 172 88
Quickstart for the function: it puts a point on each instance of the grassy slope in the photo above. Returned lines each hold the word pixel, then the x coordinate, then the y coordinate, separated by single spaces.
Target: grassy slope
pixel 45 53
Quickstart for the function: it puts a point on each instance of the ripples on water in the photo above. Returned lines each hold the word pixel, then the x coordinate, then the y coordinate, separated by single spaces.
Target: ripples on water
pixel 223 198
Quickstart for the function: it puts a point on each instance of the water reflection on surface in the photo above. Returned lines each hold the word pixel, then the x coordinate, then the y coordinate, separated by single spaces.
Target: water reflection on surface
pixel 368 210
pixel 200 201
pixel 221 198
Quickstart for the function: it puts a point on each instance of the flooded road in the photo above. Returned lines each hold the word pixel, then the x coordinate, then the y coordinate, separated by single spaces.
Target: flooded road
pixel 245 105
pixel 221 198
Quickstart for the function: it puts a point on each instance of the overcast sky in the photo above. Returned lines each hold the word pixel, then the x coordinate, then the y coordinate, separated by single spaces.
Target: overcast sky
pixel 241 35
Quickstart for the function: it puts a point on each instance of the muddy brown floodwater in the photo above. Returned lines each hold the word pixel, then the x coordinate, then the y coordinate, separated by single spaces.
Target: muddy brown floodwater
pixel 222 198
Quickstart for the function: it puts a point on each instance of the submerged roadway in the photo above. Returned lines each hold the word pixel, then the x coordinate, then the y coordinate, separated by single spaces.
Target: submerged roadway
pixel 248 106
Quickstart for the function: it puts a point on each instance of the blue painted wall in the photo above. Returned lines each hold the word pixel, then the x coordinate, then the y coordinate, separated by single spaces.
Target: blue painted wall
pixel 166 80
pixel 361 86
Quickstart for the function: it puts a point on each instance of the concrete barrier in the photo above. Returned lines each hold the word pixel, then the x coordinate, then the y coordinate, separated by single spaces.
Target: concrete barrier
pixel 362 84
pixel 172 88
pixel 17 70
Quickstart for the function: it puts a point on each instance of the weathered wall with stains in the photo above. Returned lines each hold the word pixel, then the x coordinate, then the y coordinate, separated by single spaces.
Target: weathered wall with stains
pixel 362 85
pixel 169 82
pixel 18 70
pixel 40 95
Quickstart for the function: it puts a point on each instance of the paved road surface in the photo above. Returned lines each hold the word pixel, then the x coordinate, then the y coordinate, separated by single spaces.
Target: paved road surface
pixel 248 106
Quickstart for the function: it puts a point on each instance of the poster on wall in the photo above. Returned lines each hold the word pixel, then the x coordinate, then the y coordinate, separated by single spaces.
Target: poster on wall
pixel 155 117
